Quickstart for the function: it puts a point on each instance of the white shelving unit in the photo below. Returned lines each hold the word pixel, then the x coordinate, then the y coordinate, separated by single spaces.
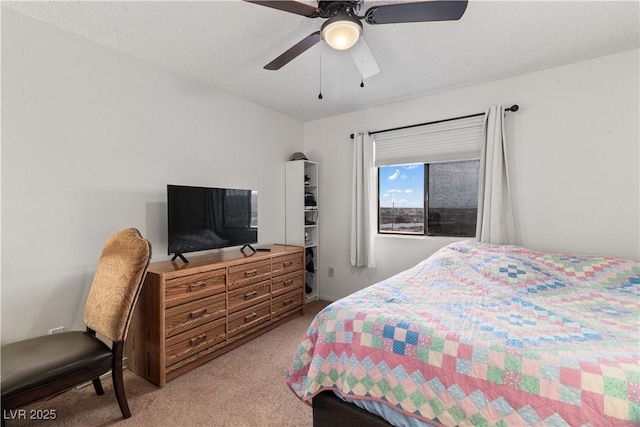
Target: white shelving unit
pixel 302 217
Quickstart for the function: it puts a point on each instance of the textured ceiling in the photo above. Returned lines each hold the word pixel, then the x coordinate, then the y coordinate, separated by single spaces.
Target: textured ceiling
pixel 226 44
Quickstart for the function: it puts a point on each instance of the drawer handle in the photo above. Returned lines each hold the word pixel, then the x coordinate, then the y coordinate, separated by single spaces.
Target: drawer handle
pixel 287 302
pixel 197 340
pixel 250 317
pixel 287 282
pixel 197 286
pixel 250 273
pixel 287 264
pixel 250 295
pixel 196 314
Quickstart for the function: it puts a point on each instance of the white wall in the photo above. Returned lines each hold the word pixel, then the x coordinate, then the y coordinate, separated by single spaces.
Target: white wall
pixel 90 139
pixel 573 150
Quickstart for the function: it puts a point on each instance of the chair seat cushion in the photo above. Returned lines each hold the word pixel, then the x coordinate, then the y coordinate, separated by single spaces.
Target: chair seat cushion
pixel 39 361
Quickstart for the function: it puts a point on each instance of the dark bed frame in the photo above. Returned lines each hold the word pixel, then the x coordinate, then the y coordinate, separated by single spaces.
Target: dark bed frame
pixel 331 411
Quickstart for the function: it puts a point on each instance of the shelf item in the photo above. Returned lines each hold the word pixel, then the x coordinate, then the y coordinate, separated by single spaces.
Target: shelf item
pixel 188 314
pixel 302 213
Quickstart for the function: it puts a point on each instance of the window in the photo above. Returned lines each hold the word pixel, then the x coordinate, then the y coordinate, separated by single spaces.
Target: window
pixel 447 191
pixel 428 177
pixel 401 199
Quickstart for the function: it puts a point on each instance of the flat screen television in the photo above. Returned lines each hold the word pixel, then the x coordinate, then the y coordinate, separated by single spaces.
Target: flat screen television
pixel 202 218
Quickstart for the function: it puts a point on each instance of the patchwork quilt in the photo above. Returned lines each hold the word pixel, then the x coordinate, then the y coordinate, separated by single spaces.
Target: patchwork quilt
pixel 482 334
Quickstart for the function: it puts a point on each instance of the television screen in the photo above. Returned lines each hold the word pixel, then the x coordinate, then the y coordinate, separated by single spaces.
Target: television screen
pixel 201 218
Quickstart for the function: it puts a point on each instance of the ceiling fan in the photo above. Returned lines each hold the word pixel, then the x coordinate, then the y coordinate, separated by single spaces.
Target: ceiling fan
pixel 343 27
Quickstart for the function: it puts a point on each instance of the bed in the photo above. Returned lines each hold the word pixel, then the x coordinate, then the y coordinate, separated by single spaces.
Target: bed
pixel 480 334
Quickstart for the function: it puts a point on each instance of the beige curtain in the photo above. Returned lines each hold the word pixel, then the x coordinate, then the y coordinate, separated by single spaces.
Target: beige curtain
pixel 495 214
pixel 363 206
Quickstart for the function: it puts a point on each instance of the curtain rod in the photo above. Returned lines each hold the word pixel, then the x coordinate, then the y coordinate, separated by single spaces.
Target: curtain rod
pixel 513 108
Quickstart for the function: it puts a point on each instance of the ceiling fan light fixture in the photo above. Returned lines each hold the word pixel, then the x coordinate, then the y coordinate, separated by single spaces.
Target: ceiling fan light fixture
pixel 341 31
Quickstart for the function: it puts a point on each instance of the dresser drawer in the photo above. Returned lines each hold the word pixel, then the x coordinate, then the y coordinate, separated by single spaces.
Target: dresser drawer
pixel 286 302
pixel 249 318
pixel 287 264
pixel 183 317
pixel 251 272
pixel 188 343
pixel 248 296
pixel 286 283
pixel 194 286
pixel 189 314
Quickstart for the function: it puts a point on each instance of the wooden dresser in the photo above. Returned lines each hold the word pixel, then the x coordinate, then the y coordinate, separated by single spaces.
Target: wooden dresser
pixel 187 314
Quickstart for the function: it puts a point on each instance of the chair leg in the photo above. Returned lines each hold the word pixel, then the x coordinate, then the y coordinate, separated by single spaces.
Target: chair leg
pixel 118 382
pixel 97 385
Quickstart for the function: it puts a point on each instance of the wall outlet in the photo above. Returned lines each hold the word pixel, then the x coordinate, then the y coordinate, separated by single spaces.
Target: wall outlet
pixel 330 271
pixel 56 330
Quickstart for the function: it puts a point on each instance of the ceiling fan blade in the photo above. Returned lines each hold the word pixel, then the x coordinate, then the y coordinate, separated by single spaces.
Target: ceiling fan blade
pixel 424 11
pixel 364 59
pixel 290 6
pixel 294 51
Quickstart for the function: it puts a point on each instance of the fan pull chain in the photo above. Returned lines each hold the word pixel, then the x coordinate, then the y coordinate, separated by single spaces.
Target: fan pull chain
pixel 361 64
pixel 320 74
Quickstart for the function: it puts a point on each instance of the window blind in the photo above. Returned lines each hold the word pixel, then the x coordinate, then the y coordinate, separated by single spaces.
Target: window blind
pixel 459 139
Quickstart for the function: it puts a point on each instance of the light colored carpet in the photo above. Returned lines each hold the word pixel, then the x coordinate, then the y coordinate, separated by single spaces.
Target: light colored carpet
pixel 244 387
